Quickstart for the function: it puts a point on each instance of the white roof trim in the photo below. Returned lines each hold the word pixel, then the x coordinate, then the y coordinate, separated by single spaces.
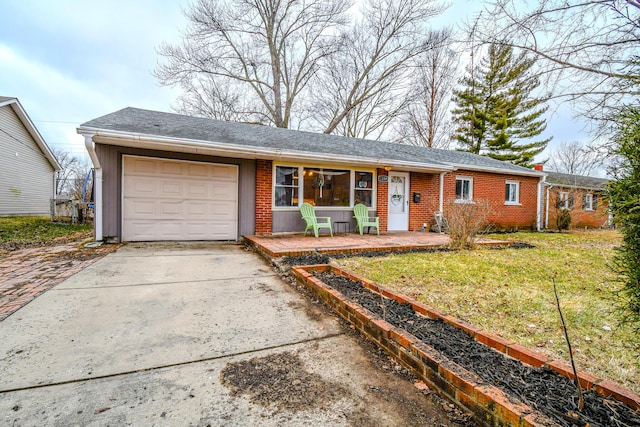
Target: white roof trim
pixel 533 173
pixel 139 140
pixel 14 103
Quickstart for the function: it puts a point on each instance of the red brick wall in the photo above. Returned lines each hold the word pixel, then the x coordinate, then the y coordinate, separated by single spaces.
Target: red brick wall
pixel 264 194
pixel 491 187
pixel 382 201
pixel 428 185
pixel 580 218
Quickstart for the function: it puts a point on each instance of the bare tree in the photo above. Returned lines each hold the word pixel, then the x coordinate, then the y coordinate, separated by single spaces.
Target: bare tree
pixel 71 177
pixel 270 47
pixel 364 84
pixel 425 120
pixel 576 159
pixel 207 97
pixel 585 48
pixel 68 163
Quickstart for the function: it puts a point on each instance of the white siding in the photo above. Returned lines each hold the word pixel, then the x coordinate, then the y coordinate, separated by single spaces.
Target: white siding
pixel 26 176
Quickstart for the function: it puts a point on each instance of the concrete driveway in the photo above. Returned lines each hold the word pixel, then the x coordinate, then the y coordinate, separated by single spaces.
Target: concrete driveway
pixel 190 334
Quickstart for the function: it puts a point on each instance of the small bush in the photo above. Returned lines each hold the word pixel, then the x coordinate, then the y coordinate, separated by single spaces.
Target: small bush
pixel 466 221
pixel 563 219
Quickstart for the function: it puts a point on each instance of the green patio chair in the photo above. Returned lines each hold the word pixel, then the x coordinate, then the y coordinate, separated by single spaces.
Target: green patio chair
pixel 309 215
pixel 361 214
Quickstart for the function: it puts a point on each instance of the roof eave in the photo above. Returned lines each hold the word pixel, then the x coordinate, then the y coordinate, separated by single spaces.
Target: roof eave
pixel 575 187
pixel 531 173
pixel 140 140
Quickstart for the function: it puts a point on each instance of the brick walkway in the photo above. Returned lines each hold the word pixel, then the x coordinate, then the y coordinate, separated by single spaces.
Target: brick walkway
pixel 27 273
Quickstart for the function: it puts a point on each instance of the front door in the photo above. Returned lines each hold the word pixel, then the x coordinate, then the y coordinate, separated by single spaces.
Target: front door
pixel 398 201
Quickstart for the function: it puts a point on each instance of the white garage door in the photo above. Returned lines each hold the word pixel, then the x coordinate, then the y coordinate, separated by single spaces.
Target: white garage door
pixel 178 200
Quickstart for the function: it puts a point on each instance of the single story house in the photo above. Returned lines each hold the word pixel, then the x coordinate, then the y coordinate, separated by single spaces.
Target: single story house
pixel 581 195
pixel 27 165
pixel 164 176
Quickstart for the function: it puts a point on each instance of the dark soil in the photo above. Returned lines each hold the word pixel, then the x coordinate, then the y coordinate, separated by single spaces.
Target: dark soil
pixel 542 389
pixel 322 258
pixel 280 380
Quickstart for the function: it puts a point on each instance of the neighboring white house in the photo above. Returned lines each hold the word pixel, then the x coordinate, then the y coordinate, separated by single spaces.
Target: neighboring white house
pixel 27 165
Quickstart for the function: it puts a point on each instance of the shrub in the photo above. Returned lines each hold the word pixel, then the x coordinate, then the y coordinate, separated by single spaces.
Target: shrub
pixel 563 219
pixel 624 202
pixel 466 221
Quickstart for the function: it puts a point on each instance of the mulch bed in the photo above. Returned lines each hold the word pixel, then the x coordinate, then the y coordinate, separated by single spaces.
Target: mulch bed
pixel 313 258
pixel 541 388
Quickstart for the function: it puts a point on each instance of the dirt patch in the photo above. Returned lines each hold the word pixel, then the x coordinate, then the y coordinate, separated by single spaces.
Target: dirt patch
pixel 543 389
pixel 280 380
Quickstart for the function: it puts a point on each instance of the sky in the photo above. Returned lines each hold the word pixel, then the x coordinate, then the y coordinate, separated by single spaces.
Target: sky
pixel 70 61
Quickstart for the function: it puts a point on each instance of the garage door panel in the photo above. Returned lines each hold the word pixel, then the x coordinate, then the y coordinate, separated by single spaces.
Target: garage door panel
pixel 197 170
pixel 142 166
pixel 224 173
pixel 179 200
pixel 170 167
pixel 169 209
pixel 223 210
pixel 139 187
pixel 197 189
pixel 140 209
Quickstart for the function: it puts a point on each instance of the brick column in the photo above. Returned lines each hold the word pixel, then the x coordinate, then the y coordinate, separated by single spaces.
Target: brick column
pixel 382 200
pixel 264 181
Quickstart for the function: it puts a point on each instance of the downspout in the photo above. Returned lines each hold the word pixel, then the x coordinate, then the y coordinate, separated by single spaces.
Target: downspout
pixel 540 203
pixel 91 149
pixel 441 192
pixel 546 220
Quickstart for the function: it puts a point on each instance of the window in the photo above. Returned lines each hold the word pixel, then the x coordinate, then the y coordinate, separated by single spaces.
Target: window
pixel 590 202
pixel 564 200
pixel 464 188
pixel 512 193
pixel 286 186
pixel 363 191
pixel 293 185
pixel 327 187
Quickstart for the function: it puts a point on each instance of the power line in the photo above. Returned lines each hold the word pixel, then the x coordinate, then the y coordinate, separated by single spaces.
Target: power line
pixel 27 145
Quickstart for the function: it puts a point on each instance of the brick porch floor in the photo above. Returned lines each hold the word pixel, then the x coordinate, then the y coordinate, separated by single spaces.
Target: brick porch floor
pixel 297 244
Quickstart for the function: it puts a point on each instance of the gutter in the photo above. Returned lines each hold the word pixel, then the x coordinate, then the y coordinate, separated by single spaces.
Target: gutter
pixel 91 149
pixel 525 172
pixel 235 150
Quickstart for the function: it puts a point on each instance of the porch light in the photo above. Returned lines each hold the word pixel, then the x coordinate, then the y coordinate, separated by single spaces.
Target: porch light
pixel 388 168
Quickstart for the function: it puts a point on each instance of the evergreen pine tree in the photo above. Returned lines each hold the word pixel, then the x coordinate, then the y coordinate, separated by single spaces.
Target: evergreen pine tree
pixel 496 114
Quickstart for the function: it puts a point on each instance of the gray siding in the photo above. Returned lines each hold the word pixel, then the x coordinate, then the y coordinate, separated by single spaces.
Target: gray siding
pixel 26 176
pixel 110 157
pixel 291 221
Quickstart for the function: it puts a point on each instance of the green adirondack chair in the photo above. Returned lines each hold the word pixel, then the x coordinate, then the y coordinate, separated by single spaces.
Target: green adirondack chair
pixel 361 214
pixel 309 215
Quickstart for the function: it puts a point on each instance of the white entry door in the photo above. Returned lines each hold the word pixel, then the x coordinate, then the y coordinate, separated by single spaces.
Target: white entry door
pixel 398 201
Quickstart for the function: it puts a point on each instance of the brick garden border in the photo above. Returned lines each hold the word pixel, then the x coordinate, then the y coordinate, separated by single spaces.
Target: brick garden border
pixel 487 403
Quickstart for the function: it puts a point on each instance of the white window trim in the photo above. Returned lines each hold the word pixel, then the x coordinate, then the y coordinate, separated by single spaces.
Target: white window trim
pixel 563 196
pixel 470 199
pixel 517 201
pixel 589 208
pixel 352 183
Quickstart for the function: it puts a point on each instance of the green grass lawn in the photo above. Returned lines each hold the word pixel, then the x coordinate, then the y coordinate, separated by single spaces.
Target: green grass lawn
pixel 32 231
pixel 510 292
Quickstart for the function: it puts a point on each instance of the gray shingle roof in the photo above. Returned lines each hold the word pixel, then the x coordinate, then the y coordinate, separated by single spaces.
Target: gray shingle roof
pixel 588 182
pixel 169 125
